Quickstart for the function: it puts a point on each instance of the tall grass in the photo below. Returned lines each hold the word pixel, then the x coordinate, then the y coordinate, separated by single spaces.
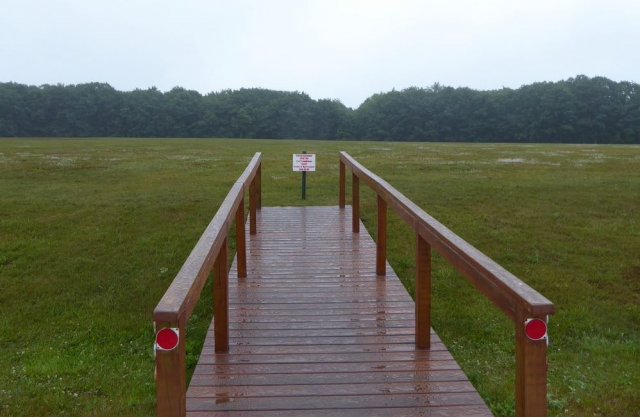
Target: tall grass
pixel 93 231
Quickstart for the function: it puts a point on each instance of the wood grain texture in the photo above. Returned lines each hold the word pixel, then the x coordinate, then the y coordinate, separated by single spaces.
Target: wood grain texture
pixel 355 201
pixel 259 187
pixel 171 379
pixel 381 241
pixel 514 297
pixel 178 301
pixel 531 373
pixel 221 299
pixel 342 185
pixel 423 293
pixel 500 286
pixel 241 248
pixel 253 206
pixel 314 331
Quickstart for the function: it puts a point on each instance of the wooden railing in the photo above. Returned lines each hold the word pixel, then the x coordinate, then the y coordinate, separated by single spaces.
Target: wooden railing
pixel 516 299
pixel 177 304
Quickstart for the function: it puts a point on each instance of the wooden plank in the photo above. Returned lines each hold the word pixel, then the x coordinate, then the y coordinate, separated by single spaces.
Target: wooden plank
pixel 342 378
pixel 339 309
pixel 315 368
pixel 244 316
pixel 430 401
pixel 307 294
pixel 298 390
pixel 325 349
pixel 310 292
pixel 315 329
pixel 333 357
pixel 322 324
pixel 320 340
pixel 312 332
pixel 452 411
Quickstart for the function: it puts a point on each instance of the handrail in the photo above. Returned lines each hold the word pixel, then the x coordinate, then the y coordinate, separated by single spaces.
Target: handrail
pixel 517 300
pixel 502 287
pixel 177 304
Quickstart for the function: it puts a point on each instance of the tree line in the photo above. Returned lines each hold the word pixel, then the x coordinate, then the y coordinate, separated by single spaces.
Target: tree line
pixel 576 110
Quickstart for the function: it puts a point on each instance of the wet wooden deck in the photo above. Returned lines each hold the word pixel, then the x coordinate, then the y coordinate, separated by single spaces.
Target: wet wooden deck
pixel 314 332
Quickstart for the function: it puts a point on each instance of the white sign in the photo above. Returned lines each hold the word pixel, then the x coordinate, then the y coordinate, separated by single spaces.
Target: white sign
pixel 304 162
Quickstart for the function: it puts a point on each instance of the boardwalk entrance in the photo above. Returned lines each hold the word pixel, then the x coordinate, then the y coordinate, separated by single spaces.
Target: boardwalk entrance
pixel 315 332
pixel 311 320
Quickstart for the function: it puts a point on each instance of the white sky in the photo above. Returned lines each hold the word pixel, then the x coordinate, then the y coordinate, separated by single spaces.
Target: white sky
pixel 346 50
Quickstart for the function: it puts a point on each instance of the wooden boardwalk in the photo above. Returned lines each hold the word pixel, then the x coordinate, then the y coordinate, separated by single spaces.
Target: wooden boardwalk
pixel 313 331
pixel 312 321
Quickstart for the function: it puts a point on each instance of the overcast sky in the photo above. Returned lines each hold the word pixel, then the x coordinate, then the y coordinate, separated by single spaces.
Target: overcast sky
pixel 346 50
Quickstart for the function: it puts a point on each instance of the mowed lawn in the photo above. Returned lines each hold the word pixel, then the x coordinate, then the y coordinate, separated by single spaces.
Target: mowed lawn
pixel 93 231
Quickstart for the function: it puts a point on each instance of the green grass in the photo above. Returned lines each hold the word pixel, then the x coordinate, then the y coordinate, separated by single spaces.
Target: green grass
pixel 93 231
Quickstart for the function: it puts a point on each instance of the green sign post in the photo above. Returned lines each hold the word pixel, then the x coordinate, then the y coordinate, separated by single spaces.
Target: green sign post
pixel 304 182
pixel 304 162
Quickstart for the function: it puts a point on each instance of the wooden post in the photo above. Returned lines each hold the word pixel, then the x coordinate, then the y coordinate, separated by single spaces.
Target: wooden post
pixel 171 375
pixel 423 293
pixel 355 203
pixel 343 181
pixel 381 244
pixel 259 187
pixel 241 247
pixel 221 299
pixel 253 203
pixel 531 372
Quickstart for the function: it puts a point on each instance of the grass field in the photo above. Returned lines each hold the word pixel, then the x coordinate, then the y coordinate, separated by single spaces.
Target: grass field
pixel 93 231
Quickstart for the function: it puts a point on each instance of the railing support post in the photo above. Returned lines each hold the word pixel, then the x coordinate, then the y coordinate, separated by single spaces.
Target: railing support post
pixel 355 203
pixel 241 247
pixel 423 293
pixel 259 187
pixel 343 181
pixel 381 243
pixel 171 375
pixel 221 299
pixel 253 204
pixel 531 372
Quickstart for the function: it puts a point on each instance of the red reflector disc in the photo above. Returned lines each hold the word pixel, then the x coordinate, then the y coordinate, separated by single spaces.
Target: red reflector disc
pixel 167 338
pixel 535 329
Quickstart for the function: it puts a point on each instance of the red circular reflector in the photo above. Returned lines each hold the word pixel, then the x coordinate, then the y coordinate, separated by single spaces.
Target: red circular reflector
pixel 535 329
pixel 167 338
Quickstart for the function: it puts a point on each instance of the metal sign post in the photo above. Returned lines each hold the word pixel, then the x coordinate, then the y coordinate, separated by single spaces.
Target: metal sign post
pixel 303 162
pixel 304 182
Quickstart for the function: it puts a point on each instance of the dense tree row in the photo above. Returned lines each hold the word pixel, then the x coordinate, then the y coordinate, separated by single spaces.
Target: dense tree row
pixel 580 109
